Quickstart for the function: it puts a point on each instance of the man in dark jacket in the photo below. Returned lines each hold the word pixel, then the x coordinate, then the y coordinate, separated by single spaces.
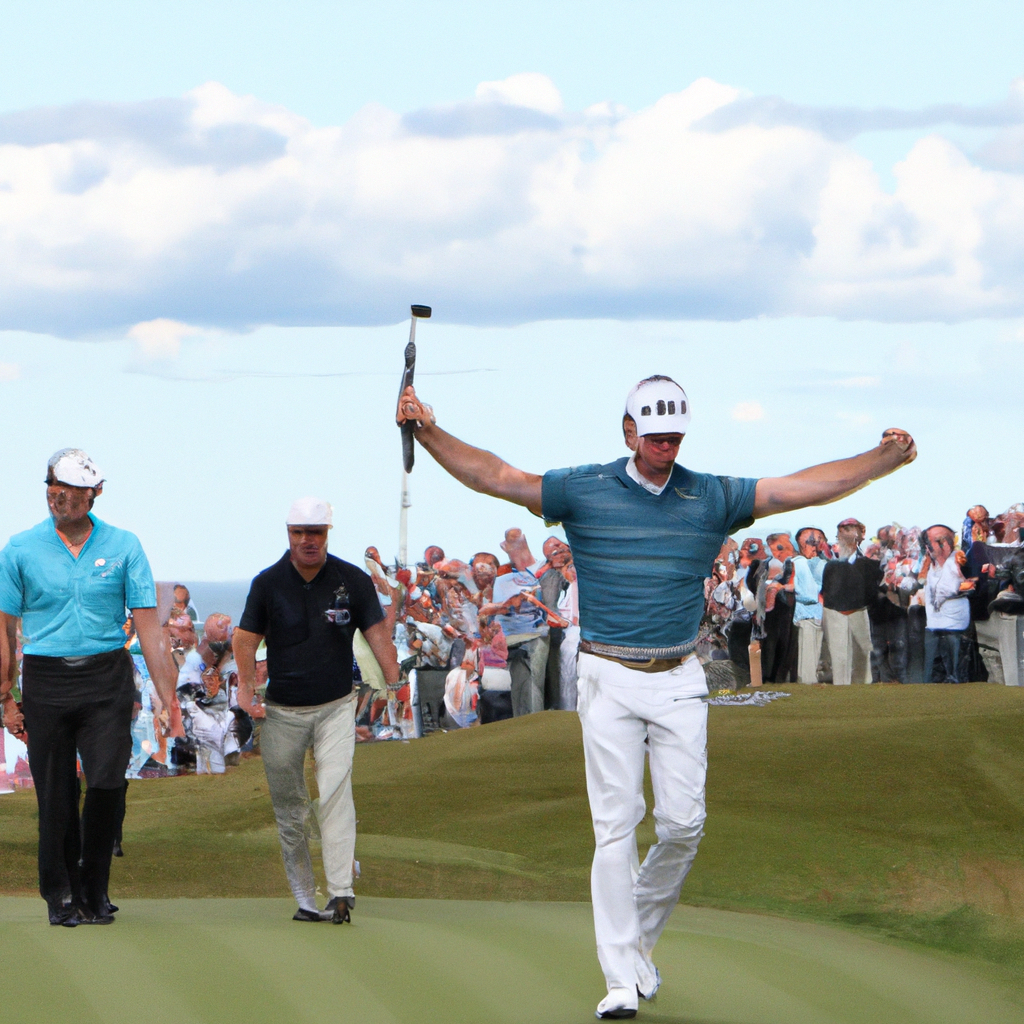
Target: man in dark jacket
pixel 849 584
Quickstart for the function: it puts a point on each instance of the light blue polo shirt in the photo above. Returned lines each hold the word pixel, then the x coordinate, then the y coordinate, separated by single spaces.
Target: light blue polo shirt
pixel 642 558
pixel 72 607
pixel 807 576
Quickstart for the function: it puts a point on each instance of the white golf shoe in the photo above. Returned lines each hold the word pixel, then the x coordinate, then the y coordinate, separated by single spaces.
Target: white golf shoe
pixel 648 977
pixel 619 1004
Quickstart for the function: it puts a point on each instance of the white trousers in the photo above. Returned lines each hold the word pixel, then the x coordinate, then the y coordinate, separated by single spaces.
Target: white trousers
pixel 625 714
pixel 287 733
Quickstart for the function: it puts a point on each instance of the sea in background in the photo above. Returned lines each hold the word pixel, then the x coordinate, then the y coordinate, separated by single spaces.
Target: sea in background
pixel 225 596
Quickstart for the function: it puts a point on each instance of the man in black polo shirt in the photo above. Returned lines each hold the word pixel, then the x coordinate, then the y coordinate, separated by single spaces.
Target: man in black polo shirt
pixel 308 605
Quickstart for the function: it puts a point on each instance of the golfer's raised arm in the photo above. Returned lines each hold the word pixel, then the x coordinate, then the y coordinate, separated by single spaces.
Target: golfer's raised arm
pixel 478 469
pixel 830 481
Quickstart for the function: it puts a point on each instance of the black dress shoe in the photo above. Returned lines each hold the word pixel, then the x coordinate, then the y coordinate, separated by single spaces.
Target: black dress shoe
pixel 94 911
pixel 65 914
pixel 339 909
pixel 306 915
pixel 87 916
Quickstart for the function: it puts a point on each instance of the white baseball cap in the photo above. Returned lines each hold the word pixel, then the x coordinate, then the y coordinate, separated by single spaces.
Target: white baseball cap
pixel 310 512
pixel 658 405
pixel 73 467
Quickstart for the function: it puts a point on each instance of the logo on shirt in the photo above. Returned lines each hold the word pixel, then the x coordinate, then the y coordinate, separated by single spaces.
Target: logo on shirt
pixel 340 614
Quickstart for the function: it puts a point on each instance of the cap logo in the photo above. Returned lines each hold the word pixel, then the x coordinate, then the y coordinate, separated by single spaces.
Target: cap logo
pixel 645 411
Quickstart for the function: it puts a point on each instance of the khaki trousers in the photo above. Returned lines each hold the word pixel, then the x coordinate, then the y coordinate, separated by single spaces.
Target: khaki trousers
pixel 849 645
pixel 288 732
pixel 810 634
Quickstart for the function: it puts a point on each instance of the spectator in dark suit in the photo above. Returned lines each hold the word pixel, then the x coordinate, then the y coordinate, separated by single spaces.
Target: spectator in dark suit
pixel 849 583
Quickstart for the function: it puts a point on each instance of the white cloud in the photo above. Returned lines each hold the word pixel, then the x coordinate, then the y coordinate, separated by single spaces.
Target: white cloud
pixel 748 412
pixel 9 371
pixel 222 210
pixel 161 339
pixel 525 90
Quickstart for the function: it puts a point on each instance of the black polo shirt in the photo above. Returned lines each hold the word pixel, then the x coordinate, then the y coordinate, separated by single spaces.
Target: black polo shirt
pixel 309 628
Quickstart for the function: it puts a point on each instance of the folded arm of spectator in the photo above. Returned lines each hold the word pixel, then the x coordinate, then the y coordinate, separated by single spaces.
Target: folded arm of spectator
pixel 479 470
pixel 820 485
pixel 947 586
pixel 243 646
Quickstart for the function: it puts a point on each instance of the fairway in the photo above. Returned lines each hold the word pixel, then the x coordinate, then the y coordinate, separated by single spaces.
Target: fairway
pixel 222 961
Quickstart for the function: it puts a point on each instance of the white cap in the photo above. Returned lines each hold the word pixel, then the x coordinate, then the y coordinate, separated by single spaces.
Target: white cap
pixel 658 405
pixel 73 467
pixel 310 512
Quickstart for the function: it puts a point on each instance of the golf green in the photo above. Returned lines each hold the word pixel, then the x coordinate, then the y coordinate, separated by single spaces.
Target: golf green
pixel 217 961
pixel 883 824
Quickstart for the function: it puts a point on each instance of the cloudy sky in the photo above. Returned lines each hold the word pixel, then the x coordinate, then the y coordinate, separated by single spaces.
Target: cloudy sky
pixel 212 225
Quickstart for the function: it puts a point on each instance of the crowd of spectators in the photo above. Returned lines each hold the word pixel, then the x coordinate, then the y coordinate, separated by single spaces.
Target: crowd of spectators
pixel 488 639
pixel 907 606
pixel 494 638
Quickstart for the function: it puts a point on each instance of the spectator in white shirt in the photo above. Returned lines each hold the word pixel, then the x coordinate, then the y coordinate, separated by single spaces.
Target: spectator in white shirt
pixel 946 605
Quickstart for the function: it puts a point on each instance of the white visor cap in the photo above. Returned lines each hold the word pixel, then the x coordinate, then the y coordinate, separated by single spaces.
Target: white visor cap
pixel 659 407
pixel 310 512
pixel 73 467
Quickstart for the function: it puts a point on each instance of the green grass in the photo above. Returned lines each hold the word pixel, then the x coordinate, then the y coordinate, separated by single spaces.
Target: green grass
pixel 894 811
pixel 223 961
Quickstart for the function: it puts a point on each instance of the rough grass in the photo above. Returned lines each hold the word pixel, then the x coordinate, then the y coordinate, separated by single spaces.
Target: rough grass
pixel 894 810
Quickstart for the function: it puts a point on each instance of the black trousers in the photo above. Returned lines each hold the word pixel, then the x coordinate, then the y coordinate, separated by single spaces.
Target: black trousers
pixel 916 621
pixel 494 706
pixel 778 649
pixel 889 647
pixel 78 707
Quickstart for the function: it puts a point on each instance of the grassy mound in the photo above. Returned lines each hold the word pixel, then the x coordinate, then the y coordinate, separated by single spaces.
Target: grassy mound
pixel 897 810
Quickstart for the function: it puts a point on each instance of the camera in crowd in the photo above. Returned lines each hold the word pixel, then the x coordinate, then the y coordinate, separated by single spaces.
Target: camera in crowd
pixel 1012 571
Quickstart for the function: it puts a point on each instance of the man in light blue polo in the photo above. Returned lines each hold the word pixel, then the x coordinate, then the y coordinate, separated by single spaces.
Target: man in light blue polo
pixel 644 533
pixel 808 569
pixel 71 580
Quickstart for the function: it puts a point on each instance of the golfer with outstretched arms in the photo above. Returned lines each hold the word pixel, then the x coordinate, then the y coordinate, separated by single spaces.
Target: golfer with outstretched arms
pixel 644 534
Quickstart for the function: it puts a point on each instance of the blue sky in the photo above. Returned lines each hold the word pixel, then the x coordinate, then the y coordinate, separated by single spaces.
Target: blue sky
pixel 810 217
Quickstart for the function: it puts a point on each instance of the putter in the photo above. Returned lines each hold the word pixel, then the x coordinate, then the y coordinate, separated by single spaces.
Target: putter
pixel 408 447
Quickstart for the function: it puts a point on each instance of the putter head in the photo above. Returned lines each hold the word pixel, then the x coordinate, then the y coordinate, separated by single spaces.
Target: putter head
pixel 423 312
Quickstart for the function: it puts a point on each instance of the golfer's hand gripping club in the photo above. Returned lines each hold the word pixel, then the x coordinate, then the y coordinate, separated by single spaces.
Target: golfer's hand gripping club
pixel 413 413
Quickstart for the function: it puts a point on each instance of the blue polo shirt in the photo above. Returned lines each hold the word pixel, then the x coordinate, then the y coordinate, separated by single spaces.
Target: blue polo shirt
pixel 642 558
pixel 72 607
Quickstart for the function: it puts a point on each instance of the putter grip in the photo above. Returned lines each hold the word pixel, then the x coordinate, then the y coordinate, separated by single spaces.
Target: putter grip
pixel 408 444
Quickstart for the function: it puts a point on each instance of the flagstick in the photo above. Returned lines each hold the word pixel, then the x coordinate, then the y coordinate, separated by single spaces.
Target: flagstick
pixel 403 523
